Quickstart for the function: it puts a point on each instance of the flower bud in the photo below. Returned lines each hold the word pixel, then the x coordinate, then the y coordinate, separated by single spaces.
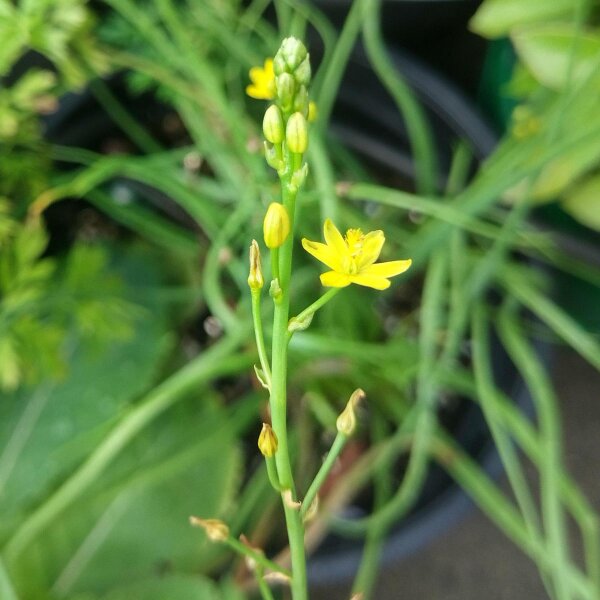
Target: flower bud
pixel 292 53
pixel 276 226
pixel 301 100
pixel 215 530
pixel 302 73
pixel 255 278
pixel 273 125
pixel 267 441
pixel 296 133
pixel 346 422
pixel 286 89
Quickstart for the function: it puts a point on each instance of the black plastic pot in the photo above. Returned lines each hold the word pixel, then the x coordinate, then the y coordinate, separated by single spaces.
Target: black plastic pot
pixel 374 130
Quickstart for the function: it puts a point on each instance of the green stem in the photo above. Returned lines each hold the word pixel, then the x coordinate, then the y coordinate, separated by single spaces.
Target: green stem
pixel 550 433
pixel 255 555
pixel 274 263
pixel 407 493
pixel 364 582
pixel 419 132
pixel 263 586
pixel 321 476
pixel 272 473
pixel 327 85
pixel 278 399
pixel 258 334
pixel 493 503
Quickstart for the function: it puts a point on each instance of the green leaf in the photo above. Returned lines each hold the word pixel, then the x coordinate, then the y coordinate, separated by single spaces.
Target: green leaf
pixel 546 51
pixel 133 525
pixel 45 431
pixel 582 202
pixel 497 18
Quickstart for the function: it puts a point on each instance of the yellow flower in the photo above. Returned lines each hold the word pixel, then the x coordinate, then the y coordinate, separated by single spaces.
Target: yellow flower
pixel 263 81
pixel 352 258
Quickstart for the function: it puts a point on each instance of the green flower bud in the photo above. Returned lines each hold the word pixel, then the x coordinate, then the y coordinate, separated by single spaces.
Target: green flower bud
pixel 276 226
pixel 293 52
pixel 273 125
pixel 302 73
pixel 301 101
pixel 286 90
pixel 279 65
pixel 296 133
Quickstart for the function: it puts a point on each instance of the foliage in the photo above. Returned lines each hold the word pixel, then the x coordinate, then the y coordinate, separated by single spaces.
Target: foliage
pixel 558 72
pixel 124 368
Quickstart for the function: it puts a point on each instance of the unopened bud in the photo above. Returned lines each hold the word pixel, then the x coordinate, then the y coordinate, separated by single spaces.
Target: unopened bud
pixel 301 100
pixel 276 226
pixel 286 90
pixel 267 441
pixel 273 125
pixel 302 73
pixel 346 422
pixel 215 530
pixel 255 278
pixel 292 52
pixel 296 133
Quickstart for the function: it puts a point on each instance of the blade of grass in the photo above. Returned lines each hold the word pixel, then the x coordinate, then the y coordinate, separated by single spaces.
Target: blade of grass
pixel 493 503
pixel 558 320
pixel 419 131
pixel 407 493
pixel 550 432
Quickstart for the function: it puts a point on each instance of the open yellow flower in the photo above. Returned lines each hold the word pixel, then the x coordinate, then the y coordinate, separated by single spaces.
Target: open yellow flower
pixel 352 258
pixel 263 82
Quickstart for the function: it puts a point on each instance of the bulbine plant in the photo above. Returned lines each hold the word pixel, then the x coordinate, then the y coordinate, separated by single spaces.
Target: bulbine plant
pixel 351 259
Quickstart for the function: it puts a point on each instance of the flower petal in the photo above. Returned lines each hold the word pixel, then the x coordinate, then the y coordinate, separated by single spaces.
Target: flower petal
pixel 256 75
pixel 323 253
pixel 372 281
pixel 334 239
pixel 334 279
pixel 254 92
pixel 371 248
pixel 387 269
